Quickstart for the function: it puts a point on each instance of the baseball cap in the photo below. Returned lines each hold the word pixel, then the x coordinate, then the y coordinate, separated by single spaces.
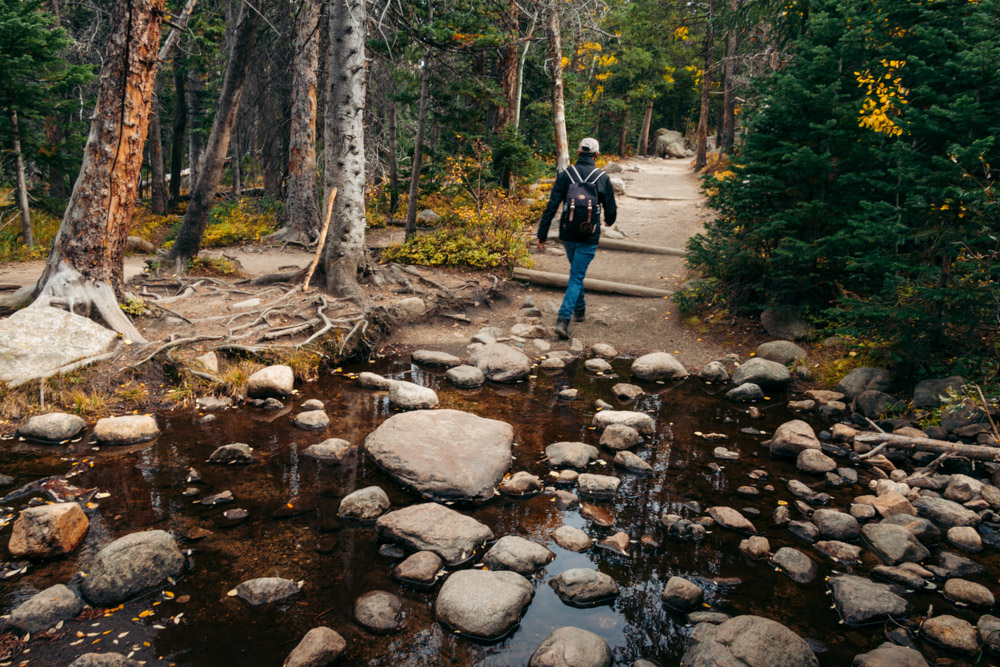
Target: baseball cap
pixel 589 145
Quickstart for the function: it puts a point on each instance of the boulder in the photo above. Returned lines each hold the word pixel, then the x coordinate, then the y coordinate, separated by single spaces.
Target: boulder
pixel 409 396
pixel 893 543
pixel 312 420
pixel 319 648
pixel 640 421
pixel 814 461
pixel 989 631
pixel 763 373
pixel 521 483
pixel 748 392
pixel 419 568
pixel 379 612
pixel 785 326
pixel 466 377
pixel 968 592
pixel 267 589
pixel 792 437
pixel 435 359
pixel 620 436
pixel 571 647
pixel 53 427
pixel 433 527
pixel 570 454
pixel 780 351
pixel 44 610
pixel 863 379
pixel 126 430
pixel 501 363
pixel 627 392
pixel 48 531
pixel 860 601
pixel 681 594
pixel 945 511
pixel 483 604
pixel 517 554
pixel 874 404
pixel 953 633
pixel 276 381
pixel 572 538
pixel 888 654
pixel 928 393
pixel 428 217
pixel 714 371
pixel 597 486
pixel 658 366
pixel 797 566
pixel 365 504
pixel 411 446
pixel 836 525
pixel 410 309
pixel 373 381
pixel 235 453
pixel 750 641
pixel 583 586
pixel 332 450
pixel 131 565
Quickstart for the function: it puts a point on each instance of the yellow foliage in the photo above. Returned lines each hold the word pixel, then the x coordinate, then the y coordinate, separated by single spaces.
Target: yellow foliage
pixel 885 93
pixel 681 33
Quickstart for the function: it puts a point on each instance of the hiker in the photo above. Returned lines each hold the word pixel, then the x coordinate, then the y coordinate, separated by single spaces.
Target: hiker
pixel 582 189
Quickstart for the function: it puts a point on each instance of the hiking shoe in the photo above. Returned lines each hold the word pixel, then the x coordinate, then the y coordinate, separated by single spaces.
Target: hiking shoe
pixel 562 329
pixel 578 315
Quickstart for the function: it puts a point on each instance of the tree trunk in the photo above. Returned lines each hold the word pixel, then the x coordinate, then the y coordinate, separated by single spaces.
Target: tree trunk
pixel 647 118
pixel 418 143
pixel 345 146
pixel 188 240
pixel 508 67
pixel 22 184
pixel 701 159
pixel 558 106
pixel 623 135
pixel 234 162
pixel 85 266
pixel 177 145
pixel 301 206
pixel 159 189
pixel 519 93
pixel 393 160
pixel 196 140
pixel 729 85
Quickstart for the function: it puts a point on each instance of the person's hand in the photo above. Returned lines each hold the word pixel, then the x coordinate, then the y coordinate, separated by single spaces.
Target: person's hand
pixel 540 244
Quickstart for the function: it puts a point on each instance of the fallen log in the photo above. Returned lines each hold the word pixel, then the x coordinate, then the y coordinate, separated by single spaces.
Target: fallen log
pixel 978 452
pixel 547 279
pixel 658 198
pixel 631 246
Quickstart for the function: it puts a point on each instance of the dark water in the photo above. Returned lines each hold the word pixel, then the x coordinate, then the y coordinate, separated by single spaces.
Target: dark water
pixel 339 561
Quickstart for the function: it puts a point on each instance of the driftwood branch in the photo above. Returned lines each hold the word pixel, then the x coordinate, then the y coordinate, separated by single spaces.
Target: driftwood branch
pixel 167 346
pixel 977 452
pixel 321 243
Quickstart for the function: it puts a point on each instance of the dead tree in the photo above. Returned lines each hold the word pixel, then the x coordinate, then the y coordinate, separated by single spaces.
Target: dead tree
pixel 177 144
pixel 418 141
pixel 558 105
pixel 701 159
pixel 22 183
pixel 729 84
pixel 85 267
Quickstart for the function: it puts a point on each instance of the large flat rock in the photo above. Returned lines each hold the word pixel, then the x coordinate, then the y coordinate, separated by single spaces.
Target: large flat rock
pixel 483 604
pixel 443 454
pixel 432 527
pixel 37 341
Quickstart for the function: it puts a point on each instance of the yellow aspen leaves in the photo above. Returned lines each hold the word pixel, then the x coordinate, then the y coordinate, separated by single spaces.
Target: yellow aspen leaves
pixel 884 95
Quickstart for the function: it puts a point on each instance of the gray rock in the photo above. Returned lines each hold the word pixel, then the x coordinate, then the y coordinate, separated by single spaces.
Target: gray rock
pixel 571 647
pixel 597 366
pixel 945 511
pixel 518 554
pixel 319 648
pixel 435 359
pixel 640 421
pixel 658 366
pixel 781 515
pixel 792 437
pixel 893 543
pixel 131 565
pixel 748 392
pixel 962 488
pixel 267 589
pixel 373 381
pixel 236 453
pixel 276 381
pixel 313 404
pixel 836 525
pixel 682 594
pixel 570 454
pixel 45 609
pixel 521 483
pixel 890 655
pixel 572 538
pixel 48 531
pixel 411 446
pixel 923 529
pixel 679 528
pixel 53 427
pixel 126 430
pixel 729 518
pixel 217 499
pixel 927 393
pixel 714 371
pixel 874 404
pixel 604 350
pixel 553 364
pixel 620 436
pixel 951 564
pixel 632 463
pixel 968 592
pixel 379 612
pixel 501 363
pixel 862 601
pixel 215 402
pixel 797 566
pixel 814 461
pixel 597 486
pixel 784 325
pixel 899 575
pixel 764 373
pixel 953 633
pixel 841 552
pixel 312 420
pixel 806 530
pixel 863 379
pixel 989 631
pixel 965 538
pixel 420 568
pixel 627 392
pixel 104 660
pixel 780 351
pixel 750 641
pixel 433 527
pixel 332 450
pixel 756 548
pixel 483 604
pixel 411 309
pixel 582 586
pixel 428 217
pixel 466 377
pixel 409 396
pixel 365 504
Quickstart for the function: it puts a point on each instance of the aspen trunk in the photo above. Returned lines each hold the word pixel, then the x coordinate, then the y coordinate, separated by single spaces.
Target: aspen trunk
pixel 188 240
pixel 158 203
pixel 701 159
pixel 85 266
pixel 344 138
pixel 558 106
pixel 22 183
pixel 418 142
pixel 519 94
pixel 729 85
pixel 647 118
pixel 177 145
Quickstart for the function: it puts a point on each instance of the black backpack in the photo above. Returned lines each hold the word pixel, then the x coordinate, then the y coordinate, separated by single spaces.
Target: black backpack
pixel 582 208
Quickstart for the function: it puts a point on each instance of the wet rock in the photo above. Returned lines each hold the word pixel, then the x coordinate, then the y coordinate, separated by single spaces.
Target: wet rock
pixel 681 529
pixel 553 364
pixel 329 451
pixel 273 381
pixel 890 655
pixel 802 406
pixel 814 461
pixel 658 366
pixel 841 552
pixel 793 437
pixel 483 604
pixel 270 403
pixel 780 351
pixel 604 350
pixel 681 594
pixel 945 511
pixel 627 392
pixel 632 463
pixel 863 379
pixel 501 363
pixel 433 527
pixel 312 420
pixel 214 402
pixel 235 515
pixel 517 554
pixel 952 633
pixel 888 504
pixel 521 483
pixel 267 589
pixel 729 518
pixel 319 648
pixel 313 404
pixel 410 396
pixel 53 427
pixel 600 516
pixel 466 377
pixel 923 529
pixel 746 392
pixel 411 446
pixel 763 373
pixel 131 565
pixel 874 404
pixel 582 586
pixel 714 371
pixel 419 568
pixel 781 515
pixel 640 421
pixel 928 393
pixel 618 543
pixel 756 548
pixel 951 564
pixel 989 631
pixel 373 381
pixel 217 498
pixel 803 491
pixel 391 551
pixel 861 601
pixel 48 531
pixel 899 575
pixel 379 612
pixel 597 366
pixel 570 454
pixel 962 488
pixel 104 660
pixel 805 530
pixel 794 564
pixel 750 641
pixel 965 538
pixel 364 504
pixel 571 647
pixel 597 486
pixel 968 592
pixel 836 525
pixel 45 609
pixel 569 394
pixel 235 453
pixel 567 477
pixel 126 430
pixel 572 539
pixel 564 500
pixel 893 543
pixel 713 617
pixel 620 436
pixel 435 359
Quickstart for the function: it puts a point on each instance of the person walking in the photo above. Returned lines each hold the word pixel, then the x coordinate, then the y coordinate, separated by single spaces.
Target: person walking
pixel 582 189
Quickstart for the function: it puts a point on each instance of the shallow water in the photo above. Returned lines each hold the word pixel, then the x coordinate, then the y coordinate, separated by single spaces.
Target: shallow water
pixel 339 561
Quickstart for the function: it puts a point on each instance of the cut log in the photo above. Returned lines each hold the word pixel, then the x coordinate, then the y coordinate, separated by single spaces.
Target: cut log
pixel 630 246
pixel 590 284
pixel 978 452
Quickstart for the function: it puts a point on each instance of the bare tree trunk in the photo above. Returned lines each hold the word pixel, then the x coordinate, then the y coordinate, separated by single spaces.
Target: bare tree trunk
pixel 302 225
pixel 85 266
pixel 57 177
pixel 22 184
pixel 647 118
pixel 188 240
pixel 418 142
pixel 393 160
pixel 234 162
pixel 177 147
pixel 701 159
pixel 157 184
pixel 623 135
pixel 345 146
pixel 508 67
pixel 558 106
pixel 729 84
pixel 519 93
pixel 196 141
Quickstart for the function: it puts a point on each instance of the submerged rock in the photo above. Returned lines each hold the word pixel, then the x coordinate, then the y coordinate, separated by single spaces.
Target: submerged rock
pixel 379 612
pixel 131 565
pixel 571 647
pixel 483 604
pixel 433 527
pixel 751 641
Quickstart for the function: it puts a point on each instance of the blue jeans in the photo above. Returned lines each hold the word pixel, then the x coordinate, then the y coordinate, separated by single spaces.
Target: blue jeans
pixel 579 255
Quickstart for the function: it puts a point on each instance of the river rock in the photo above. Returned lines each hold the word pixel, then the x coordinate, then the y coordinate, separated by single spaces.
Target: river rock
pixel 273 381
pixel 729 518
pixel 750 641
pixel 618 543
pixel 627 392
pixel 890 655
pixel 797 566
pixel 409 396
pixel 131 565
pixel 597 366
pixel 968 592
pixel 365 504
pixel 928 393
pixel 945 511
pixel 236 453
pixel 48 531
pixel 379 612
pixel 658 366
pixel 45 609
pixel 763 373
pixel 319 648
pixel 888 504
pixel 435 359
pixel 836 525
pixel 604 350
pixel 780 351
pixel 572 538
pixel 681 594
pixel 583 586
pixel 570 454
pixel 863 379
pixel 714 371
pixel 597 486
pixel 965 538
pixel 806 530
pixel 411 446
pixel 962 488
pixel 899 575
pixel 564 500
pixel 501 363
pixel 841 552
pixel 756 548
pixel 215 402
pixel 332 450
pixel 923 529
pixel 521 483
pixel 861 601
pixel 466 377
pixel 483 604
pixel 420 568
pixel 640 421
pixel 126 430
pixel 748 392
pixel 951 564
pixel 893 543
pixel 953 633
pixel 104 660
pixel 53 427
pixel 571 647
pixel 517 554
pixel 620 436
pixel 814 461
pixel 433 527
pixel 793 437
pixel 267 589
pixel 312 420
pixel 632 463
pixel 369 380
pixel 989 631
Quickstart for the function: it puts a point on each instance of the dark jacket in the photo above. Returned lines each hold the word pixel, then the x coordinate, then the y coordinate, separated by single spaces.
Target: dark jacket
pixel 605 195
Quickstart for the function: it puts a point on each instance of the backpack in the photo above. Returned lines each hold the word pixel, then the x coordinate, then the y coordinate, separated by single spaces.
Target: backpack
pixel 582 207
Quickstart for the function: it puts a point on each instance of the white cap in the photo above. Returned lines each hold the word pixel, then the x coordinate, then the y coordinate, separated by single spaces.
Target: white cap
pixel 590 145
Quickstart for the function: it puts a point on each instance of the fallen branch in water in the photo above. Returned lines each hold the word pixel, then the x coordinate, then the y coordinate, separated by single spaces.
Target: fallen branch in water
pixel 893 441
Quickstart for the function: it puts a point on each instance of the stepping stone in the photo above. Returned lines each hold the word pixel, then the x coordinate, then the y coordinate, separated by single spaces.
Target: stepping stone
pixel 273 381
pixel 597 486
pixel 517 554
pixel 53 427
pixel 131 565
pixel 501 363
pixel 483 604
pixel 572 647
pixel 572 539
pixel 364 504
pixel 312 420
pixel 570 454
pixel 521 483
pixel 841 552
pixel 435 359
pixel 379 612
pixel 620 436
pixel 860 601
pixel 320 646
pixel 836 525
pixel 658 366
pixel 597 366
pixel 794 564
pixel 410 396
pixel 627 392
pixel 682 594
pixel 729 518
pixel 792 437
pixel 420 568
pixel 127 430
pixel 888 654
pixel 466 377
pixel 953 633
pixel 752 641
pixel 333 450
pixel 763 373
pixel 632 463
pixel 433 527
pixel 373 381
pixel 583 586
pixel 640 421
pixel 267 589
pixel 968 592
pixel 945 511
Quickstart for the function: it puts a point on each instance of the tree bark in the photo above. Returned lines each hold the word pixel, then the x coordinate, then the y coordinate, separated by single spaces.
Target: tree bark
pixel 85 266
pixel 729 86
pixel 519 93
pixel 345 146
pixel 177 145
pixel 508 67
pixel 418 141
pixel 647 118
pixel 234 162
pixel 624 134
pixel 701 159
pixel 196 140
pixel 188 240
pixel 301 206
pixel 558 106
pixel 158 203
pixel 893 441
pixel 22 183
pixel 393 159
